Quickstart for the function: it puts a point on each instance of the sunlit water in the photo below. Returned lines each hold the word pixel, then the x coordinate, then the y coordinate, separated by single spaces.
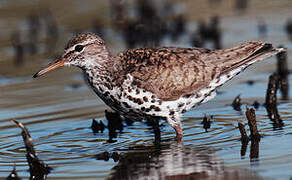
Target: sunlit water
pixel 59 111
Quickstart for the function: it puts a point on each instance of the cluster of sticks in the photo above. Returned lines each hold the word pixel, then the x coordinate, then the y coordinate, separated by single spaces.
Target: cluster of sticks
pixel 115 125
pixel 39 170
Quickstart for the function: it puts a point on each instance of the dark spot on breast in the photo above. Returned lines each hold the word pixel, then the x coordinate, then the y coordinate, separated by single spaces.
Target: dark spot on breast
pixel 148 109
pixel 140 101
pixel 106 94
pixel 184 110
pixel 153 101
pixel 157 108
pixel 171 112
pixel 130 98
pixel 160 102
pixel 198 95
pixel 145 99
pixel 129 89
pixel 152 107
pixel 152 96
pixel 118 102
pixel 137 91
pixel 187 95
pixel 181 105
pixel 143 108
pixel 108 85
pixel 126 104
pixel 107 79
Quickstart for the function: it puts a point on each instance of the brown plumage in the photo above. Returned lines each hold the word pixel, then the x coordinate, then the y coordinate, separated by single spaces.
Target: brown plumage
pixel 171 72
pixel 157 82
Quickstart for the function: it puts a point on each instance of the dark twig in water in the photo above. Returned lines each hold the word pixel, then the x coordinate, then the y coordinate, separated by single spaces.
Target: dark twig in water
pixel 271 101
pixel 256 104
pixel 115 156
pixel 250 82
pixel 114 123
pixel 106 156
pixel 97 126
pixel 244 139
pixel 282 70
pixel 242 132
pixel 13 175
pixel 243 147
pixel 116 120
pixel 254 150
pixel 251 117
pixel 37 168
pixel 254 136
pixel 206 122
pixel 271 95
pixel 103 156
pixel 154 123
pixel 237 103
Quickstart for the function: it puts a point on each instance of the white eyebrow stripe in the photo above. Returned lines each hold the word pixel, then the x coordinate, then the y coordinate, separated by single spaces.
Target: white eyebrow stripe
pixel 72 49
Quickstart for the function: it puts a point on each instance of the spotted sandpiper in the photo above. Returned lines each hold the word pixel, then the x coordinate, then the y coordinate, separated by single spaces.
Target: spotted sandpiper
pixel 160 82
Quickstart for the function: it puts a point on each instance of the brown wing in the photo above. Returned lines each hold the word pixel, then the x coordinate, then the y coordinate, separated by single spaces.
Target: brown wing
pixel 174 72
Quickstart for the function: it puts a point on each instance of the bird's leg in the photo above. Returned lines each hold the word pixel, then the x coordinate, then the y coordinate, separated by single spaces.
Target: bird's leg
pixel 174 121
pixel 179 132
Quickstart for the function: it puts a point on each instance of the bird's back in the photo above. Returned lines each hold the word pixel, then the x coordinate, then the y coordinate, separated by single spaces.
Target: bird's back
pixel 171 72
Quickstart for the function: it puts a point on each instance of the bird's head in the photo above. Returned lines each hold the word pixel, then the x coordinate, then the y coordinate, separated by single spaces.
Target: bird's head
pixel 84 51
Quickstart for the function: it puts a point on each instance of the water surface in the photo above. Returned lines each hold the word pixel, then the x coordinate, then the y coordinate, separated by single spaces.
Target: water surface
pixel 58 110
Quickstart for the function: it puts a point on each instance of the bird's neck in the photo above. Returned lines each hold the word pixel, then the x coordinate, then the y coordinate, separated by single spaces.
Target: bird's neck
pixel 102 74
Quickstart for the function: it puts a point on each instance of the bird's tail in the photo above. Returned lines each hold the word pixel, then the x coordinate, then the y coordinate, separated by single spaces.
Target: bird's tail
pixel 245 55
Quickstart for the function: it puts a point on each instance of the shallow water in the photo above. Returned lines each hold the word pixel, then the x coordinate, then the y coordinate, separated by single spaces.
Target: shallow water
pixel 58 110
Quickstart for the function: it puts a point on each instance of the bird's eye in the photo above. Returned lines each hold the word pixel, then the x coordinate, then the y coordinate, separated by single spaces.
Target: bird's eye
pixel 79 48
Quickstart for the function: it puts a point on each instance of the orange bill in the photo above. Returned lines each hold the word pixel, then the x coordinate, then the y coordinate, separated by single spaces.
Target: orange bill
pixel 54 65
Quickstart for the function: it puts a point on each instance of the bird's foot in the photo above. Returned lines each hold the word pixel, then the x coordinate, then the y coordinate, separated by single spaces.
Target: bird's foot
pixel 179 139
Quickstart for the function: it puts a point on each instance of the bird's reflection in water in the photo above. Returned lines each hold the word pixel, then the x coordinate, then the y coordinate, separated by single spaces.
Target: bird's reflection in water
pixel 173 161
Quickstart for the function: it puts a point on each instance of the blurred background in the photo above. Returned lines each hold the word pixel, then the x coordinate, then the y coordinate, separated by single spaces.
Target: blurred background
pixel 59 107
